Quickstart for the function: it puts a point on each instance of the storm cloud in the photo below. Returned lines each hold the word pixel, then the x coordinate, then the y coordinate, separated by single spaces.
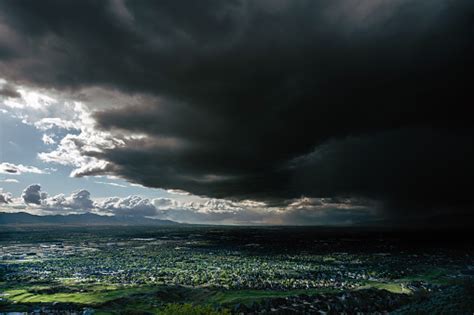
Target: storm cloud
pixel 8 91
pixel 266 100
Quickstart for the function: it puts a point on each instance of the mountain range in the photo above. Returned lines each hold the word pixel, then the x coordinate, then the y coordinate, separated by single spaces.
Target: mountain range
pixel 23 218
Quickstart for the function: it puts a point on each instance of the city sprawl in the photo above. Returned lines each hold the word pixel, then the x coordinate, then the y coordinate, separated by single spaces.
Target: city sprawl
pixel 225 270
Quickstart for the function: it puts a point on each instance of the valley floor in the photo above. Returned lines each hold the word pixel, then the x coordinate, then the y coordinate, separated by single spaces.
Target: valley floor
pixel 231 270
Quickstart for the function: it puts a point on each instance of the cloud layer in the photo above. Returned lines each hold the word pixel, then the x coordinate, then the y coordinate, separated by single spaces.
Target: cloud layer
pixel 301 211
pixel 259 100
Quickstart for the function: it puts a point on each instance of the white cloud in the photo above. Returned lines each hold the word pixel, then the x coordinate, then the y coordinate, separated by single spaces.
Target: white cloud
pixel 137 185
pixel 79 200
pixel 111 184
pixel 5 197
pixel 36 99
pixel 29 99
pixel 9 180
pixel 70 151
pixel 131 206
pixel 17 169
pixel 172 191
pixel 223 206
pixel 48 139
pixel 166 203
pixel 48 110
pixel 75 149
pixel 42 107
pixel 213 211
pixel 51 122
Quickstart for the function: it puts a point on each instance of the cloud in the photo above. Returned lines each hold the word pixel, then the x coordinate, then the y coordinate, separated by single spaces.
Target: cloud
pixel 129 206
pixel 414 173
pixel 329 211
pixel 111 184
pixel 9 180
pixel 213 211
pixel 48 139
pixel 79 200
pixel 33 195
pixel 5 197
pixel 77 149
pixel 223 206
pixel 301 211
pixel 174 191
pixel 9 91
pixel 18 169
pixel 51 122
pixel 230 104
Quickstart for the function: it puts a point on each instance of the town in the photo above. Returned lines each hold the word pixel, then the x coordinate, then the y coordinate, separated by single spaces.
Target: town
pixel 240 270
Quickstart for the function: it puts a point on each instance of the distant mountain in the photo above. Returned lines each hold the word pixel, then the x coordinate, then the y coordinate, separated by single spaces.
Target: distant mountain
pixel 23 218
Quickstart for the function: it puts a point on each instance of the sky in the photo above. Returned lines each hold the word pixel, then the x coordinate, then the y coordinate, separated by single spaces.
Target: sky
pixel 341 112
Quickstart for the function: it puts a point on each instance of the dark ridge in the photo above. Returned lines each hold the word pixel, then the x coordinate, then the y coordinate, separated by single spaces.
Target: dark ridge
pixel 22 218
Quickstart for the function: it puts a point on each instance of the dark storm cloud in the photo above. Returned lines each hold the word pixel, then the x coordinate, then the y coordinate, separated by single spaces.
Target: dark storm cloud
pixel 269 99
pixel 9 91
pixel 416 171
